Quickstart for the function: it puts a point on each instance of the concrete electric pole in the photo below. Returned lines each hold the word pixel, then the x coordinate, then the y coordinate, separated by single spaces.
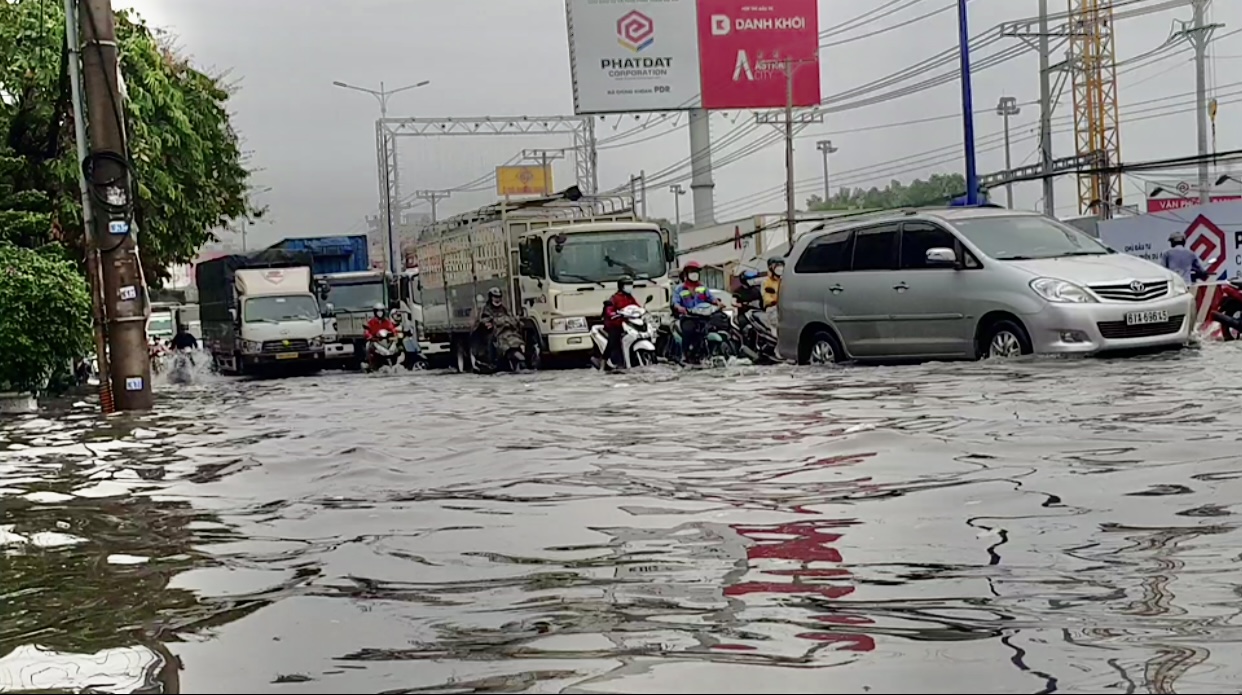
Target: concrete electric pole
pixel 786 122
pixel 826 148
pixel 125 296
pixel 1200 35
pixel 433 197
pixel 1045 111
pixel 386 150
pixel 1006 107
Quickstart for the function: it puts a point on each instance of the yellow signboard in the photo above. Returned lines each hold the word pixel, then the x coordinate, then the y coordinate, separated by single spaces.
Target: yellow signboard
pixel 523 180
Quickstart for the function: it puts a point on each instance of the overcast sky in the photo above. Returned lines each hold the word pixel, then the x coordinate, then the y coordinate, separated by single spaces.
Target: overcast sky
pixel 315 145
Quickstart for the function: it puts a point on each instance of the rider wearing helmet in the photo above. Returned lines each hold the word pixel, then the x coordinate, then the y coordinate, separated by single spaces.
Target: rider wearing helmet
pixel 1182 260
pixel 379 321
pixel 772 283
pixel 690 293
pixel 749 293
pixel 613 323
pixel 485 322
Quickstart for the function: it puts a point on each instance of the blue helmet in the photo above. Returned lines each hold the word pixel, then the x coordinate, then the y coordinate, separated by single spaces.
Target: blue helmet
pixel 748 276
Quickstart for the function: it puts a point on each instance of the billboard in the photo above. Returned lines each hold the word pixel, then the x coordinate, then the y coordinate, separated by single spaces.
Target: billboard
pixel 744 48
pixel 633 55
pixel 1212 231
pixel 1173 194
pixel 523 180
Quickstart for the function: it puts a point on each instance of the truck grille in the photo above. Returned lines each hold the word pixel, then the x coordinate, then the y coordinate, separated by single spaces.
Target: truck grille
pixel 1136 291
pixel 299 345
pixel 1115 330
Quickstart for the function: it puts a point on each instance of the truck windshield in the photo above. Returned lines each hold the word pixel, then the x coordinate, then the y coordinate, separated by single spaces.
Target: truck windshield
pixel 274 309
pixel 362 297
pixel 606 256
pixel 160 325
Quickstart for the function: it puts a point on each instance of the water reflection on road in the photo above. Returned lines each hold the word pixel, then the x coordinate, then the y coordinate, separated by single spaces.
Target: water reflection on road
pixel 1052 526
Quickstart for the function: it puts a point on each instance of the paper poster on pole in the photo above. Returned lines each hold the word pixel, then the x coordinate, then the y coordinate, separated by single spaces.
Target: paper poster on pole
pixel 633 55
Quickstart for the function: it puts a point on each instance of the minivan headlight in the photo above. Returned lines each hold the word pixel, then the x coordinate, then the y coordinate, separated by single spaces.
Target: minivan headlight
pixel 1061 292
pixel 1178 286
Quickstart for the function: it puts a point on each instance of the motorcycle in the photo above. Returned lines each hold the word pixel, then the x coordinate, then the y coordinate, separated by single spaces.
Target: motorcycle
pixel 1226 309
pixel 506 345
pixel 637 339
pixel 717 338
pixel 757 335
pixel 383 351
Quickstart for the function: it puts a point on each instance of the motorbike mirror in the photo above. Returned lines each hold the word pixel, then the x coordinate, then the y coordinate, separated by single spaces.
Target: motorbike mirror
pixel 650 299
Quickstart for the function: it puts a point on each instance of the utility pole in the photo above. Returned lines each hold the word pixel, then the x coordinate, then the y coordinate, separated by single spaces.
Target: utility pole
pixel 968 107
pixel 1006 107
pixel 1199 36
pixel 638 187
pixel 1045 111
pixel 125 294
pixel 74 44
pixel 433 197
pixel 786 122
pixel 675 236
pixel 544 157
pixel 386 151
pixel 642 177
pixel 825 147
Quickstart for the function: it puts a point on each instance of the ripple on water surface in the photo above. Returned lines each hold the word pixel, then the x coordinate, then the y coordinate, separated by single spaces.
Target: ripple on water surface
pixel 1044 526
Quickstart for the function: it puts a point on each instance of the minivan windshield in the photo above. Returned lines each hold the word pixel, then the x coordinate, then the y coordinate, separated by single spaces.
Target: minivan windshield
pixel 276 309
pixel 1027 237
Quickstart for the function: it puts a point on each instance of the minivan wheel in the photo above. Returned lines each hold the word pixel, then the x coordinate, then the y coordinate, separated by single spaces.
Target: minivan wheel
pixel 1005 339
pixel 823 348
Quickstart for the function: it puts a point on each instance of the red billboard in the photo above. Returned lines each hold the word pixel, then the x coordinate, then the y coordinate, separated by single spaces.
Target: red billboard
pixel 746 46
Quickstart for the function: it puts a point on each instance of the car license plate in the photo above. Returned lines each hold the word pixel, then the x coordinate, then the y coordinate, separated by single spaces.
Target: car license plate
pixel 1140 318
pixel 287 356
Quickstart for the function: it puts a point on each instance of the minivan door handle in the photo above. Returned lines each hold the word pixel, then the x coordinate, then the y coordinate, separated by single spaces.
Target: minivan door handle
pixel 901 287
pixel 836 289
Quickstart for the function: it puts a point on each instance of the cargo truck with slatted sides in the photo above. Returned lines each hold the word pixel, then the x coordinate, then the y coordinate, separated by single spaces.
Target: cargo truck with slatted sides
pixel 557 259
pixel 259 312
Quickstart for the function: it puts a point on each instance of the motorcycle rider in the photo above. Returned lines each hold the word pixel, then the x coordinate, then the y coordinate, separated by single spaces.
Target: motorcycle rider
pixel 750 293
pixel 1182 260
pixel 613 323
pixel 484 323
pixel 379 321
pixel 772 283
pixel 184 340
pixel 687 295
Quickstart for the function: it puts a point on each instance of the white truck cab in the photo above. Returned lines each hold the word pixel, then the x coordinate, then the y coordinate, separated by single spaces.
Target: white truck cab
pixel 567 272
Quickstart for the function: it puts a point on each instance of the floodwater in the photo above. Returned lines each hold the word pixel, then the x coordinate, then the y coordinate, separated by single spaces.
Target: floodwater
pixel 1029 527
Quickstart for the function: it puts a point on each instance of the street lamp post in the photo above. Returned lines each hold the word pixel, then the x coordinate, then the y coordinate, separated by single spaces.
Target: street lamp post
pixel 1006 107
pixel 386 147
pixel 825 146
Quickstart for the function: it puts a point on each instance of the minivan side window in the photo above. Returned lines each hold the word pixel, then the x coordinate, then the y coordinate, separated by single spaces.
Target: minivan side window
pixel 875 248
pixel 919 237
pixel 828 254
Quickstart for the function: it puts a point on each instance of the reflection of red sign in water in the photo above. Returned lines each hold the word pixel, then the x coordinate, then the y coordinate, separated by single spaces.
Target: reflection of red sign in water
pixel 743 49
pixel 804 543
pixel 1208 242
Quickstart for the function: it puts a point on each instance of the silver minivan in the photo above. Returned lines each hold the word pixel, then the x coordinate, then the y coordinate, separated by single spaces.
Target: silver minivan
pixel 965 283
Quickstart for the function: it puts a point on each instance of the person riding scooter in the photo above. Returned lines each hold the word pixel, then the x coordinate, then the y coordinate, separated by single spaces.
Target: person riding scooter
pixel 1182 260
pixel 688 295
pixel 772 283
pixel 614 323
pixel 485 324
pixel 749 293
pixel 378 322
pixel 184 339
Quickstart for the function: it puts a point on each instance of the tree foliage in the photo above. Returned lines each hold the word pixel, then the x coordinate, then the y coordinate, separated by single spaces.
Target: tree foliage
pixel 189 171
pixel 45 309
pixel 938 189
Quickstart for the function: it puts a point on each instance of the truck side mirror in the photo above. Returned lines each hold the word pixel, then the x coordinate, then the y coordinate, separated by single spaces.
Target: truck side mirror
pixel 526 265
pixel 233 315
pixel 329 310
pixel 670 253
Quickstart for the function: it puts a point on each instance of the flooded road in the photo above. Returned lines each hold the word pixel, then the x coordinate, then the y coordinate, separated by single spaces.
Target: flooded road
pixel 1052 526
